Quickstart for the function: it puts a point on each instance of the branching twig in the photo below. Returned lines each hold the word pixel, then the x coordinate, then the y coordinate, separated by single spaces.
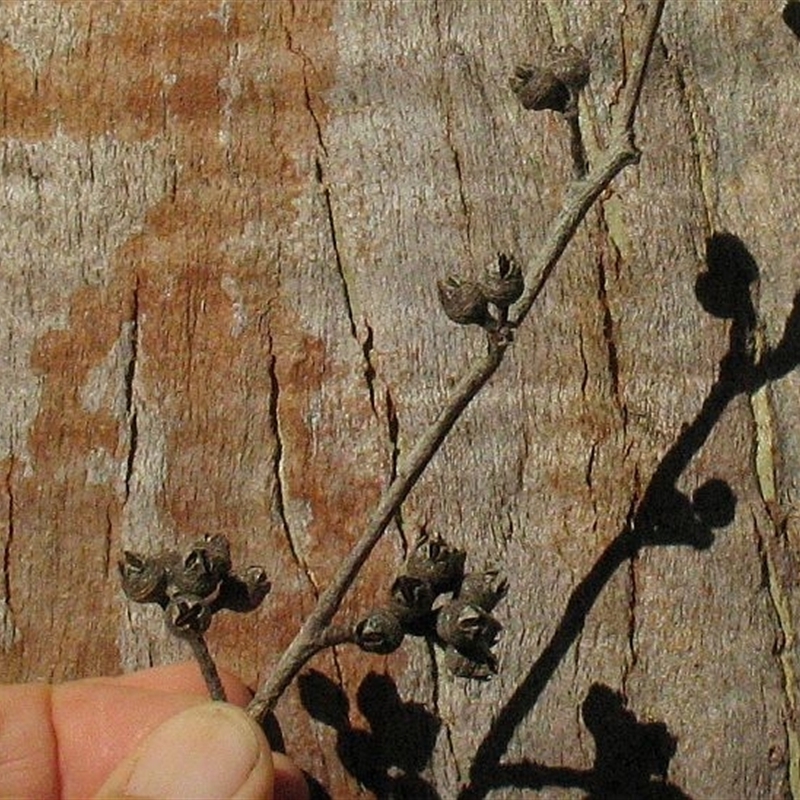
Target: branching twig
pixel 622 152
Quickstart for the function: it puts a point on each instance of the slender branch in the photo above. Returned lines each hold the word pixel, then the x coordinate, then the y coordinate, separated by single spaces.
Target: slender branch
pixel 622 152
pixel 633 89
pixel 207 666
pixel 580 162
pixel 309 638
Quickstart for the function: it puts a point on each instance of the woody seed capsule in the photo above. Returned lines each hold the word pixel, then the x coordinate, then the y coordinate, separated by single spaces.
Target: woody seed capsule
pixel 554 84
pixel 537 89
pixel 243 592
pixel 144 579
pixel 434 561
pixel 483 589
pixel 502 282
pixel 463 301
pixel 187 614
pixel 465 667
pixel 411 598
pixel 470 629
pixel 379 632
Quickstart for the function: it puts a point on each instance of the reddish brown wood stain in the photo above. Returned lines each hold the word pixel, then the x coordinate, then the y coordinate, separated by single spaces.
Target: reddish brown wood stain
pixel 196 87
pixel 210 383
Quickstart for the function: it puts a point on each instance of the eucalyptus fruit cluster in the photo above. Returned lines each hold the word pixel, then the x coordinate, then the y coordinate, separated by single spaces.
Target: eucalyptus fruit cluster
pixel 434 597
pixel 192 586
pixel 484 302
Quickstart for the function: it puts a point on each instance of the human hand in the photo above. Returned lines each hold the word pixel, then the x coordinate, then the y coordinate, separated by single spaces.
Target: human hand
pixel 151 734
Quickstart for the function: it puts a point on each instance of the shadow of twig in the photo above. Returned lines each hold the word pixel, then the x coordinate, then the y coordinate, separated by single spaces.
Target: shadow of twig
pixel 631 758
pixel 388 758
pixel 663 516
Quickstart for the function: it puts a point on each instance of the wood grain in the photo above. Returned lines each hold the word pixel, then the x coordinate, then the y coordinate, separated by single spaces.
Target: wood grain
pixel 221 227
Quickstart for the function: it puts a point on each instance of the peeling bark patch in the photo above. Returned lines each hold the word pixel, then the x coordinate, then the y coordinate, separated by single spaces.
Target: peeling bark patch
pixel 67 206
pixel 768 544
pixel 278 464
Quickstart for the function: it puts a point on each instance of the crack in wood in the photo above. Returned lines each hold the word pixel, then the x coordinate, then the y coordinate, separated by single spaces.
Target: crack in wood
pixel 278 498
pixel 7 546
pixel 700 138
pixel 437 711
pixel 609 337
pixel 633 599
pixel 393 428
pixel 129 380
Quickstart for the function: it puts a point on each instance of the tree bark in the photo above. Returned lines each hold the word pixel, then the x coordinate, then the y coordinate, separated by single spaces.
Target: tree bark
pixel 221 227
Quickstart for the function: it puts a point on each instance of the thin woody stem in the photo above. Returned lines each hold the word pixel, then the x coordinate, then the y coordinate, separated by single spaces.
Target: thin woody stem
pixel 623 123
pixel 312 636
pixel 580 162
pixel 206 663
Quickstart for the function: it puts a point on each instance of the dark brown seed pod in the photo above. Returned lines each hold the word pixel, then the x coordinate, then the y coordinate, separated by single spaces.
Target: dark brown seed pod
pixel 411 598
pixel 502 282
pixel 144 579
pixel 244 591
pixel 187 614
pixel 570 66
pixel 379 632
pixel 203 567
pixel 553 85
pixel 537 89
pixel 218 553
pixel 470 629
pixel 465 667
pixel 463 301
pixel 435 562
pixel 484 589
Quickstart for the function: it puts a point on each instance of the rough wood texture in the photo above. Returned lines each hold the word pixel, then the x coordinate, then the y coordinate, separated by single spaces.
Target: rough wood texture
pixel 220 231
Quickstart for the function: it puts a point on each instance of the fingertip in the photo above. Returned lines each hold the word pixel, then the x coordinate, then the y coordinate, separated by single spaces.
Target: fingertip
pixel 290 783
pixel 209 750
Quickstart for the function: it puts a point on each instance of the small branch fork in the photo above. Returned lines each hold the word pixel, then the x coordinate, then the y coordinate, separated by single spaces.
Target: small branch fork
pixel 315 635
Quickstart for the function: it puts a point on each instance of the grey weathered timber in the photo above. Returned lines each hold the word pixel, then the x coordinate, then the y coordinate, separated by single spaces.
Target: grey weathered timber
pixel 221 224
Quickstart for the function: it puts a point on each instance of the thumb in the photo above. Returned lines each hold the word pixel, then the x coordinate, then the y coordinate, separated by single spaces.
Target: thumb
pixel 208 750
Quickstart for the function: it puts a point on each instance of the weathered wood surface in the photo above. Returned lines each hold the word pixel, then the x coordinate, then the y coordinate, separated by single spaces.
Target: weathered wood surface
pixel 220 229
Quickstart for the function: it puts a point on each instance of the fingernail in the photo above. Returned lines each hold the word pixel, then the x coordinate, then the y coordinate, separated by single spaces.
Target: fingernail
pixel 209 750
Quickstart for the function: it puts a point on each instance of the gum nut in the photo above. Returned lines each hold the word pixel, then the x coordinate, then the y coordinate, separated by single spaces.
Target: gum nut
pixel 187 613
pixel 143 578
pixel 194 574
pixel 466 626
pixel 433 560
pixel 570 66
pixel 218 553
pixel 463 301
pixel 244 592
pixel 484 589
pixel 411 597
pixel 379 632
pixel 538 89
pixel 502 282
pixel 465 667
pixel 258 584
